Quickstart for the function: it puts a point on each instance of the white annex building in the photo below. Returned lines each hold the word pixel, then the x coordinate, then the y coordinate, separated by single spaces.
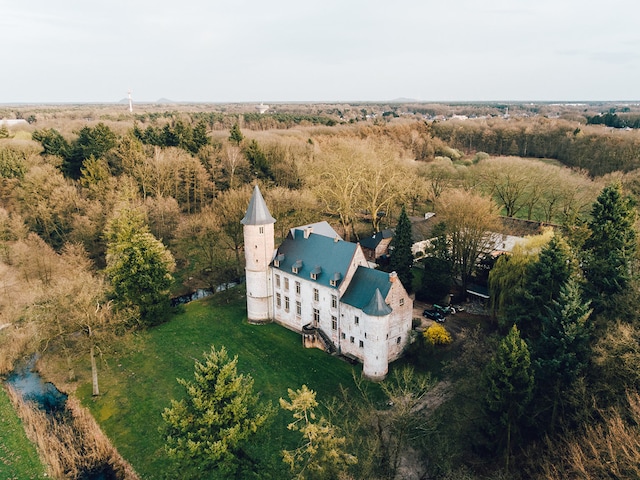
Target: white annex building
pixel 319 285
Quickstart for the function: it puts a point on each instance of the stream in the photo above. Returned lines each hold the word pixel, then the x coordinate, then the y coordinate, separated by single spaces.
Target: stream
pixel 29 384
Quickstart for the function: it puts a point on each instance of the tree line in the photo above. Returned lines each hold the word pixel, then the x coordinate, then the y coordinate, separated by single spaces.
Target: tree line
pixel 596 151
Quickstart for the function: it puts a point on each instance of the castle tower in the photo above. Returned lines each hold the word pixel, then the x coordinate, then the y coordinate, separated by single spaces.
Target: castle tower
pixel 375 362
pixel 259 245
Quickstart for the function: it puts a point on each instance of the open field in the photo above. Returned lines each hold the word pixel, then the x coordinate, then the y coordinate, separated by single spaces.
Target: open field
pixel 141 381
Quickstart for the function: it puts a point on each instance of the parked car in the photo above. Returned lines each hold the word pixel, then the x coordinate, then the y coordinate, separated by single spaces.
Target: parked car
pixel 445 310
pixel 434 315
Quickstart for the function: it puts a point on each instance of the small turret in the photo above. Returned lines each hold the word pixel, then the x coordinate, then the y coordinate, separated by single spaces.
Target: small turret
pixel 375 362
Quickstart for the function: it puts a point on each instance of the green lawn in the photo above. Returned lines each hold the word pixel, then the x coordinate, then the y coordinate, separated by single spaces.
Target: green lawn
pixel 18 457
pixel 141 380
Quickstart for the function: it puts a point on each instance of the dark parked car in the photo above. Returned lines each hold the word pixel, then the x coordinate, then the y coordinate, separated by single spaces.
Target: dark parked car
pixel 434 315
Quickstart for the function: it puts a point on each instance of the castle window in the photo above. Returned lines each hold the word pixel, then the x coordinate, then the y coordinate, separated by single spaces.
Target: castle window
pixel 365 334
pixel 351 339
pixel 298 308
pixel 295 268
pixel 277 281
pixel 334 322
pixel 361 344
pixel 278 300
pixel 286 283
pixel 261 230
pixel 317 270
pixel 334 301
pixel 316 315
pixel 401 301
pixel 316 295
pixel 286 304
pixel 343 335
pixel 356 320
pixel 298 288
pixel 398 340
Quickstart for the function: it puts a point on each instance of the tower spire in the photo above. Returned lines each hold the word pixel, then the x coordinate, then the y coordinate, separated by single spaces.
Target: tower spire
pixel 257 212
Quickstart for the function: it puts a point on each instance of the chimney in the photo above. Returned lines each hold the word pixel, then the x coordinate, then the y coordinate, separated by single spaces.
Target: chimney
pixel 308 231
pixel 393 276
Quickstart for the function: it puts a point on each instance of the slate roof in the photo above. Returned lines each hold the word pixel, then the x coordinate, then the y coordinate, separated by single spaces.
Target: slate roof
pixel 321 228
pixel 257 212
pixel 373 241
pixel 365 285
pixel 377 307
pixel 317 253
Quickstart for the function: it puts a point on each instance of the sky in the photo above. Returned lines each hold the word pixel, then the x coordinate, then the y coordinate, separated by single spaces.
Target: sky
pixel 79 51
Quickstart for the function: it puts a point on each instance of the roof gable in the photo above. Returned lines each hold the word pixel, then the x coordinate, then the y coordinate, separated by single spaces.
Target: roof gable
pixel 322 256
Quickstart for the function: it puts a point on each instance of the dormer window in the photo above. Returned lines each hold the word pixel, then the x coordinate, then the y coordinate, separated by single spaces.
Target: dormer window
pixel 335 279
pixel 276 261
pixel 295 268
pixel 315 272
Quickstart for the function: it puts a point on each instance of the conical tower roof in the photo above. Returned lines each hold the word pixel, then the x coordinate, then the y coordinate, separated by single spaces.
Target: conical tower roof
pixel 377 307
pixel 257 213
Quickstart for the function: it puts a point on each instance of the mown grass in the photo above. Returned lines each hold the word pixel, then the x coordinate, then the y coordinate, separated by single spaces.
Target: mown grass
pixel 141 380
pixel 18 456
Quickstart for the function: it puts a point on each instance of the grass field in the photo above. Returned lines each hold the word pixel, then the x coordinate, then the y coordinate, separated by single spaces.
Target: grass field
pixel 18 457
pixel 141 379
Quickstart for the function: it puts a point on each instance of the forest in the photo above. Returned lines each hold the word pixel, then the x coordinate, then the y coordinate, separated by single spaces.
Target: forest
pixel 105 216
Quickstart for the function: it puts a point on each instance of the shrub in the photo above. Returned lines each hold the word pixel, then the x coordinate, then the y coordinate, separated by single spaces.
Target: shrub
pixel 437 335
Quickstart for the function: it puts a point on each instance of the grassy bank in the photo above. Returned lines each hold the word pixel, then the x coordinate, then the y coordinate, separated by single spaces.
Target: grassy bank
pixel 141 381
pixel 18 456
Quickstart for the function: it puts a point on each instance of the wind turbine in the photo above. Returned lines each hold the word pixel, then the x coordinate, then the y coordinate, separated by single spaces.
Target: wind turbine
pixel 130 102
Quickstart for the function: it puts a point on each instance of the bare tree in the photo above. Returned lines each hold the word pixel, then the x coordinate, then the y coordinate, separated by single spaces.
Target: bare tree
pixel 470 219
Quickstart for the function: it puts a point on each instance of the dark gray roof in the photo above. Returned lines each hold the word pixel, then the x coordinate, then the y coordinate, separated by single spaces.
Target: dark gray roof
pixel 373 241
pixel 257 213
pixel 316 253
pixel 377 307
pixel 363 287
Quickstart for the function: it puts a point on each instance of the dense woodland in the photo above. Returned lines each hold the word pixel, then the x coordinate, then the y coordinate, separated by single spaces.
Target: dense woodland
pixel 104 216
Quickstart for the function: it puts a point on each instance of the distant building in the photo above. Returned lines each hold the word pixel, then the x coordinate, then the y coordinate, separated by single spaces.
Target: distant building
pixel 376 246
pixel 321 286
pixel 11 122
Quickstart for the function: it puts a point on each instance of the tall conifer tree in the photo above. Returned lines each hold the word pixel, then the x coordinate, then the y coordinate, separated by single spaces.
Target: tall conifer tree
pixel 510 382
pixel 401 259
pixel 610 248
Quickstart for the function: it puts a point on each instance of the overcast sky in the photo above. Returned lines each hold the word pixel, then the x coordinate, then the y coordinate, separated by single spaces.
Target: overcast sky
pixel 309 50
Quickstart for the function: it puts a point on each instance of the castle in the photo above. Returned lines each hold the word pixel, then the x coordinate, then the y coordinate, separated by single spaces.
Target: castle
pixel 319 285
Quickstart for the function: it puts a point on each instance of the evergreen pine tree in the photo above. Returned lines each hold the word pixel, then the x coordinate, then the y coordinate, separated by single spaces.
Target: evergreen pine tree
pixel 235 135
pixel 509 381
pixel 207 431
pixel 560 355
pixel 543 282
pixel 401 258
pixel 610 248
